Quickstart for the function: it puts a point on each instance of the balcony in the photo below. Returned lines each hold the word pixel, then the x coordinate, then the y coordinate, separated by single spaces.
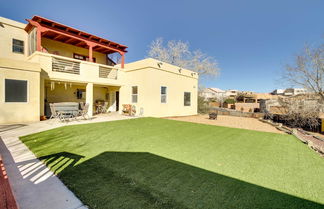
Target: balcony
pixel 65 66
pixel 67 69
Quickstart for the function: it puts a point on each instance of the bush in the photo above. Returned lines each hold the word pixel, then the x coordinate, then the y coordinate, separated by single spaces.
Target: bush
pixel 229 101
pixel 203 106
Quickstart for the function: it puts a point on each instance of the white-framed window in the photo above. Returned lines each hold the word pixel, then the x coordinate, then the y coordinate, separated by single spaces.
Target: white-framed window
pixel 16 90
pixel 187 99
pixel 134 94
pixel 163 94
pixel 18 46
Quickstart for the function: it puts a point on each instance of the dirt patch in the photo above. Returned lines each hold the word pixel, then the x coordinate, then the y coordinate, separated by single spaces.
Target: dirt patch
pixel 230 121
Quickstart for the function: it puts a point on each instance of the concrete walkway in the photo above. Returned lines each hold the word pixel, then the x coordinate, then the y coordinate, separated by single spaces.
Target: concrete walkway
pixel 33 184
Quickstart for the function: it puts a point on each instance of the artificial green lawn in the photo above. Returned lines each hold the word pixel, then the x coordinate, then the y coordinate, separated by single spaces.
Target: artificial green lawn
pixel 160 163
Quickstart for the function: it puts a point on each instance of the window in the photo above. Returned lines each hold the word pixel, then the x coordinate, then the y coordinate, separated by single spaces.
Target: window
pixel 163 94
pixel 81 94
pixel 134 94
pixel 187 99
pixel 15 90
pixel 17 46
pixel 82 57
pixel 32 41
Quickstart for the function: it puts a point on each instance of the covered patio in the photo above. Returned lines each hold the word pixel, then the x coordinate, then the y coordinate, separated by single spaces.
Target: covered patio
pixel 101 98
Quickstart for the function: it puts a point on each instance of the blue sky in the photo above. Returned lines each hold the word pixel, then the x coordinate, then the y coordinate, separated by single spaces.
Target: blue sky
pixel 251 39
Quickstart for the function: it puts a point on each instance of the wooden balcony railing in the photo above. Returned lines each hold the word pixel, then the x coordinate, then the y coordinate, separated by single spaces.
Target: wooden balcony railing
pixel 65 66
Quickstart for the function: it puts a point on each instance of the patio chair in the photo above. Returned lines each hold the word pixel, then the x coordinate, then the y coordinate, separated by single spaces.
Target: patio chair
pixel 133 110
pixel 105 107
pixel 81 105
pixel 54 112
pixel 84 112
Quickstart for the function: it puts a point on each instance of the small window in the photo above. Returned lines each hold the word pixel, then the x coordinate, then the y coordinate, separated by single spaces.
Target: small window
pixel 82 57
pixel 81 94
pixel 163 94
pixel 17 46
pixel 187 99
pixel 134 94
pixel 15 90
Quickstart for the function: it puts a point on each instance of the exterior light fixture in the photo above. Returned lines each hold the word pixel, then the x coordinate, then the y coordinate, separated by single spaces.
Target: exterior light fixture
pixel 159 64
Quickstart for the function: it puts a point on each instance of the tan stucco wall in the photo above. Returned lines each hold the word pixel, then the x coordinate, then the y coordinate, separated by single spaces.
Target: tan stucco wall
pixel 149 78
pixel 60 94
pixel 146 74
pixel 67 50
pixel 10 29
pixel 246 107
pixel 20 112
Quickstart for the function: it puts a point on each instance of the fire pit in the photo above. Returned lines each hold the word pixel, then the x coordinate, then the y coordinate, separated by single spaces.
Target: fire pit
pixel 213 116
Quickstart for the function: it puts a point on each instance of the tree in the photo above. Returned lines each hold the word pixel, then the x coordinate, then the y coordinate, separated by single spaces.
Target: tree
pixel 302 110
pixel 178 53
pixel 308 70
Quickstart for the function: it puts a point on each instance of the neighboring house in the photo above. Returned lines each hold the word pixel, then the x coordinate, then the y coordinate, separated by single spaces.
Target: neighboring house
pixel 270 106
pixel 213 93
pixel 250 101
pixel 289 91
pixel 231 93
pixel 45 62
pixel 278 92
pixel 294 91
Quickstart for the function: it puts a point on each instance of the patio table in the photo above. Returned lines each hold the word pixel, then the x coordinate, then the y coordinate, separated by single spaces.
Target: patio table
pixel 67 109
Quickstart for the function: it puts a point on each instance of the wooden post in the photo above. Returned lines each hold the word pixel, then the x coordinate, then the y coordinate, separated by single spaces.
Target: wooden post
pixel 90 53
pixel 39 39
pixel 122 60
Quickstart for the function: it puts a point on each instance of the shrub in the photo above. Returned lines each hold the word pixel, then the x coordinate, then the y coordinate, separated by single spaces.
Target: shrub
pixel 229 101
pixel 202 105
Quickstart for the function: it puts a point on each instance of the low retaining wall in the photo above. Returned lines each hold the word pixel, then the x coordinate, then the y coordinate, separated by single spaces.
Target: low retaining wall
pixel 313 142
pixel 224 111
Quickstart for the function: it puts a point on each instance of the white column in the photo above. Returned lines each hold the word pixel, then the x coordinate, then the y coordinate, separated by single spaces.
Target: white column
pixel 42 96
pixel 89 98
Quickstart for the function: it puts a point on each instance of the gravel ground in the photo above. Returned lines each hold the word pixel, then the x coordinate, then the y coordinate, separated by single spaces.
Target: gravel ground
pixel 230 121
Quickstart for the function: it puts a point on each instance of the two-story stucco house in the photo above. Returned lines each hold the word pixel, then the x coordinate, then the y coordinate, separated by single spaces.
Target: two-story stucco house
pixel 44 62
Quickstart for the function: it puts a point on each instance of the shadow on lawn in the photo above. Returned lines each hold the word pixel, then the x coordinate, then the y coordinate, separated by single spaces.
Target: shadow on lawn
pixel 144 180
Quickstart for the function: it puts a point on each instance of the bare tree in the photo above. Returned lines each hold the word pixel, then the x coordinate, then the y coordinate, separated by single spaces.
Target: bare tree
pixel 301 110
pixel 179 54
pixel 308 70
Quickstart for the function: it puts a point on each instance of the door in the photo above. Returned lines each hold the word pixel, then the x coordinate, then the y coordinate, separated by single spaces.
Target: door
pixel 117 101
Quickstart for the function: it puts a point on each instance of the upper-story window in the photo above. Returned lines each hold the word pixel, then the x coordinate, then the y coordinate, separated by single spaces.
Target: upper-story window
pixel 17 46
pixel 163 94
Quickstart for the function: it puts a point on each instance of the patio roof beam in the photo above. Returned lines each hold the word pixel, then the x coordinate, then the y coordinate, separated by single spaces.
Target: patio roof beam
pixel 41 29
pixel 58 37
pixel 65 33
